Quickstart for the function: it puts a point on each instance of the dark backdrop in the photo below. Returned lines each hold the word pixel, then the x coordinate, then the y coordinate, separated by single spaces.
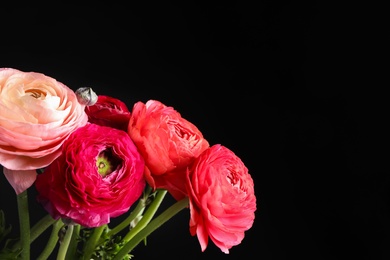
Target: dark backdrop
pixel 274 82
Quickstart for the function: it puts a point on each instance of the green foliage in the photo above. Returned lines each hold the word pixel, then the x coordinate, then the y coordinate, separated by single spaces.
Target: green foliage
pixel 4 230
pixel 107 249
pixel 6 253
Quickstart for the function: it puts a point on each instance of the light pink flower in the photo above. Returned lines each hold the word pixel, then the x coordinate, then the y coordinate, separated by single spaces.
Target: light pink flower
pixel 168 142
pixel 37 114
pixel 222 198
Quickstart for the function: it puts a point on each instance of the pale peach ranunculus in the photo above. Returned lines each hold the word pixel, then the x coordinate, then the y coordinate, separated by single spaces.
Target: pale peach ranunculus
pixel 222 198
pixel 37 114
pixel 168 142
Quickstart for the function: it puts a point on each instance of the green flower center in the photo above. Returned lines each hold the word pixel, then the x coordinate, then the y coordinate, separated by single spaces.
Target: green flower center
pixel 107 162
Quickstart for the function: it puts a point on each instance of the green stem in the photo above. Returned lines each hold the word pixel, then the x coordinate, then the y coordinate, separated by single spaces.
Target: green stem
pixel 52 242
pixel 24 222
pixel 37 230
pixel 65 243
pixel 72 249
pixel 40 227
pixel 147 216
pixel 125 223
pixel 153 225
pixel 93 241
pixel 139 209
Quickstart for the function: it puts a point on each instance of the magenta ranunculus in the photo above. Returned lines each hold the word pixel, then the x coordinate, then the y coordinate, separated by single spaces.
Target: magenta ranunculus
pixel 109 111
pixel 222 198
pixel 37 114
pixel 168 142
pixel 99 175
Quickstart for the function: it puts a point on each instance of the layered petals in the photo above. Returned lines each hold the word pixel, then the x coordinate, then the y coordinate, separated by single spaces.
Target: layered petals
pixel 222 199
pixel 168 142
pixel 37 114
pixel 109 111
pixel 99 175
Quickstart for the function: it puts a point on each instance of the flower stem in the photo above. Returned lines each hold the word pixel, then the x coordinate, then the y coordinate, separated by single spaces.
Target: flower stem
pixel 147 216
pixel 139 209
pixel 41 226
pixel 152 226
pixel 125 223
pixel 37 230
pixel 52 242
pixel 65 243
pixel 24 222
pixel 93 241
pixel 72 249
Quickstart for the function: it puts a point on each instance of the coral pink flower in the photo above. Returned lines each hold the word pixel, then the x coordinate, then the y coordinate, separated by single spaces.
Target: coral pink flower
pixel 168 142
pixel 222 199
pixel 109 111
pixel 99 175
pixel 37 114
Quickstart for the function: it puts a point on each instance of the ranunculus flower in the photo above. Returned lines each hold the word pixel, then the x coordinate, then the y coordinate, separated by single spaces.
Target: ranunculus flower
pixel 109 111
pixel 222 198
pixel 99 175
pixel 37 114
pixel 168 142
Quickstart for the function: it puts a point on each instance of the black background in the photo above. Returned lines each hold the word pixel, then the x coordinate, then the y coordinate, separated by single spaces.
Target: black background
pixel 276 82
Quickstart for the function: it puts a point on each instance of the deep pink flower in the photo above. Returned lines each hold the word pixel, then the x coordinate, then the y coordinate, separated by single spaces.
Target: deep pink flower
pixel 109 111
pixel 168 142
pixel 222 198
pixel 99 175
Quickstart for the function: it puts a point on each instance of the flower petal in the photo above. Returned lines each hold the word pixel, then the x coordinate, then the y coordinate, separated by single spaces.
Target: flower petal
pixel 20 180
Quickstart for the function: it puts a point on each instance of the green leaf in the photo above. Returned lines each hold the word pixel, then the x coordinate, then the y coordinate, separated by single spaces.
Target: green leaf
pixel 4 230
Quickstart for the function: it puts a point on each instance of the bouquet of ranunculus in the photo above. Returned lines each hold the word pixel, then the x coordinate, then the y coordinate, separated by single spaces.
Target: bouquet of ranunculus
pixel 92 159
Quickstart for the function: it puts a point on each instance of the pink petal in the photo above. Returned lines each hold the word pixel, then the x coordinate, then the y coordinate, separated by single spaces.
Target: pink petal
pixel 20 180
pixel 202 234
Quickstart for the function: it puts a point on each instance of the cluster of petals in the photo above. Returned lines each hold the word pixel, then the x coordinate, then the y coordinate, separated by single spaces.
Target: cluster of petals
pixel 109 111
pixel 43 126
pixel 168 142
pixel 222 198
pixel 37 114
pixel 178 158
pixel 72 188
